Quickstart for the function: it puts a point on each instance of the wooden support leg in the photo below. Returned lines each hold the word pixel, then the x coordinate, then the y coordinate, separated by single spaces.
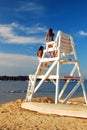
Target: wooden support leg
pixel 84 92
pixel 57 84
pixel 72 92
pixel 67 82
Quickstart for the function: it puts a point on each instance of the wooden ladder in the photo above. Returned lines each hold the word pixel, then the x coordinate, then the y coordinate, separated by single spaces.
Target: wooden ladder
pixel 30 89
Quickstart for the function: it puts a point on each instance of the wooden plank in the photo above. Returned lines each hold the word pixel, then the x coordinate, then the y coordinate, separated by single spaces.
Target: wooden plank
pixel 43 60
pixel 64 35
pixel 49 77
pixel 58 109
pixel 61 78
pixel 72 77
pixel 51 60
pixel 46 68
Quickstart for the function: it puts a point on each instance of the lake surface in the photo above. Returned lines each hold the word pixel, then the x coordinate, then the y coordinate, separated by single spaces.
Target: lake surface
pixel 13 90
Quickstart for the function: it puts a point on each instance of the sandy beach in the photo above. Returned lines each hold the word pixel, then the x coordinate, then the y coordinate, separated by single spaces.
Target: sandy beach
pixel 13 117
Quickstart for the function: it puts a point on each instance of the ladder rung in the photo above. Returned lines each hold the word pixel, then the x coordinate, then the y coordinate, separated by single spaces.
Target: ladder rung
pixel 72 77
pixel 61 78
pixel 46 68
pixel 49 77
pixel 48 59
pixel 68 61
pixel 64 61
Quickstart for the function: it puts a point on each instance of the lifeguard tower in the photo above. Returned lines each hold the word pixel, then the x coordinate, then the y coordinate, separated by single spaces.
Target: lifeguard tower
pixel 49 68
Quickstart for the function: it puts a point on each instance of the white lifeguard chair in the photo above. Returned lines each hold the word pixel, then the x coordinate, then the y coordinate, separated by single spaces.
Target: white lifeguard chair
pixel 66 55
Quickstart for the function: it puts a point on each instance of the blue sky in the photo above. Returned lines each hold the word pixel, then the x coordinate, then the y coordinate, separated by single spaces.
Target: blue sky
pixel 23 27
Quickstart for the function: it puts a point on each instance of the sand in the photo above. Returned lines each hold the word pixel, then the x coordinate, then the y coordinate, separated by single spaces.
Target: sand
pixel 13 117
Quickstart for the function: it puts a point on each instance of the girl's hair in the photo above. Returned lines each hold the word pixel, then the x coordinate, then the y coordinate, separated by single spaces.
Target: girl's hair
pixel 50 32
pixel 41 48
pixel 40 51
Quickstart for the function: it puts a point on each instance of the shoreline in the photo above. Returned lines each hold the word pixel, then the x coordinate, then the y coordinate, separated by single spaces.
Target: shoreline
pixel 13 117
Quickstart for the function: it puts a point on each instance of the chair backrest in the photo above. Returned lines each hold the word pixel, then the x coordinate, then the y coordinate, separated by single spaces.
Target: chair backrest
pixel 65 42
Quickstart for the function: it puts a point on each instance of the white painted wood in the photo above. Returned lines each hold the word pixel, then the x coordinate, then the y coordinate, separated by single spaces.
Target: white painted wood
pixel 72 92
pixel 45 76
pixel 64 45
pixel 57 73
pixel 84 91
pixel 68 80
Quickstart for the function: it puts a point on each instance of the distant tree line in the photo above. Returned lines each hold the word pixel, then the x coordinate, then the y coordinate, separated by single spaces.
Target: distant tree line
pixel 23 78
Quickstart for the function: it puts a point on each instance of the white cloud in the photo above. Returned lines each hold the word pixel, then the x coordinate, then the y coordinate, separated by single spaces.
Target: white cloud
pixel 35 29
pixel 30 30
pixel 30 7
pixel 22 40
pixel 82 33
pixel 6 31
pixel 13 64
pixel 9 34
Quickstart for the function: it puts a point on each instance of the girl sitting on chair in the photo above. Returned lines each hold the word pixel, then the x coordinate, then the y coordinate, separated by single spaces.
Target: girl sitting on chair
pixel 50 37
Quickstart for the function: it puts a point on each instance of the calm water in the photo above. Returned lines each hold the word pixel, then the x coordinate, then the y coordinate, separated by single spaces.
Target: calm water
pixel 12 90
